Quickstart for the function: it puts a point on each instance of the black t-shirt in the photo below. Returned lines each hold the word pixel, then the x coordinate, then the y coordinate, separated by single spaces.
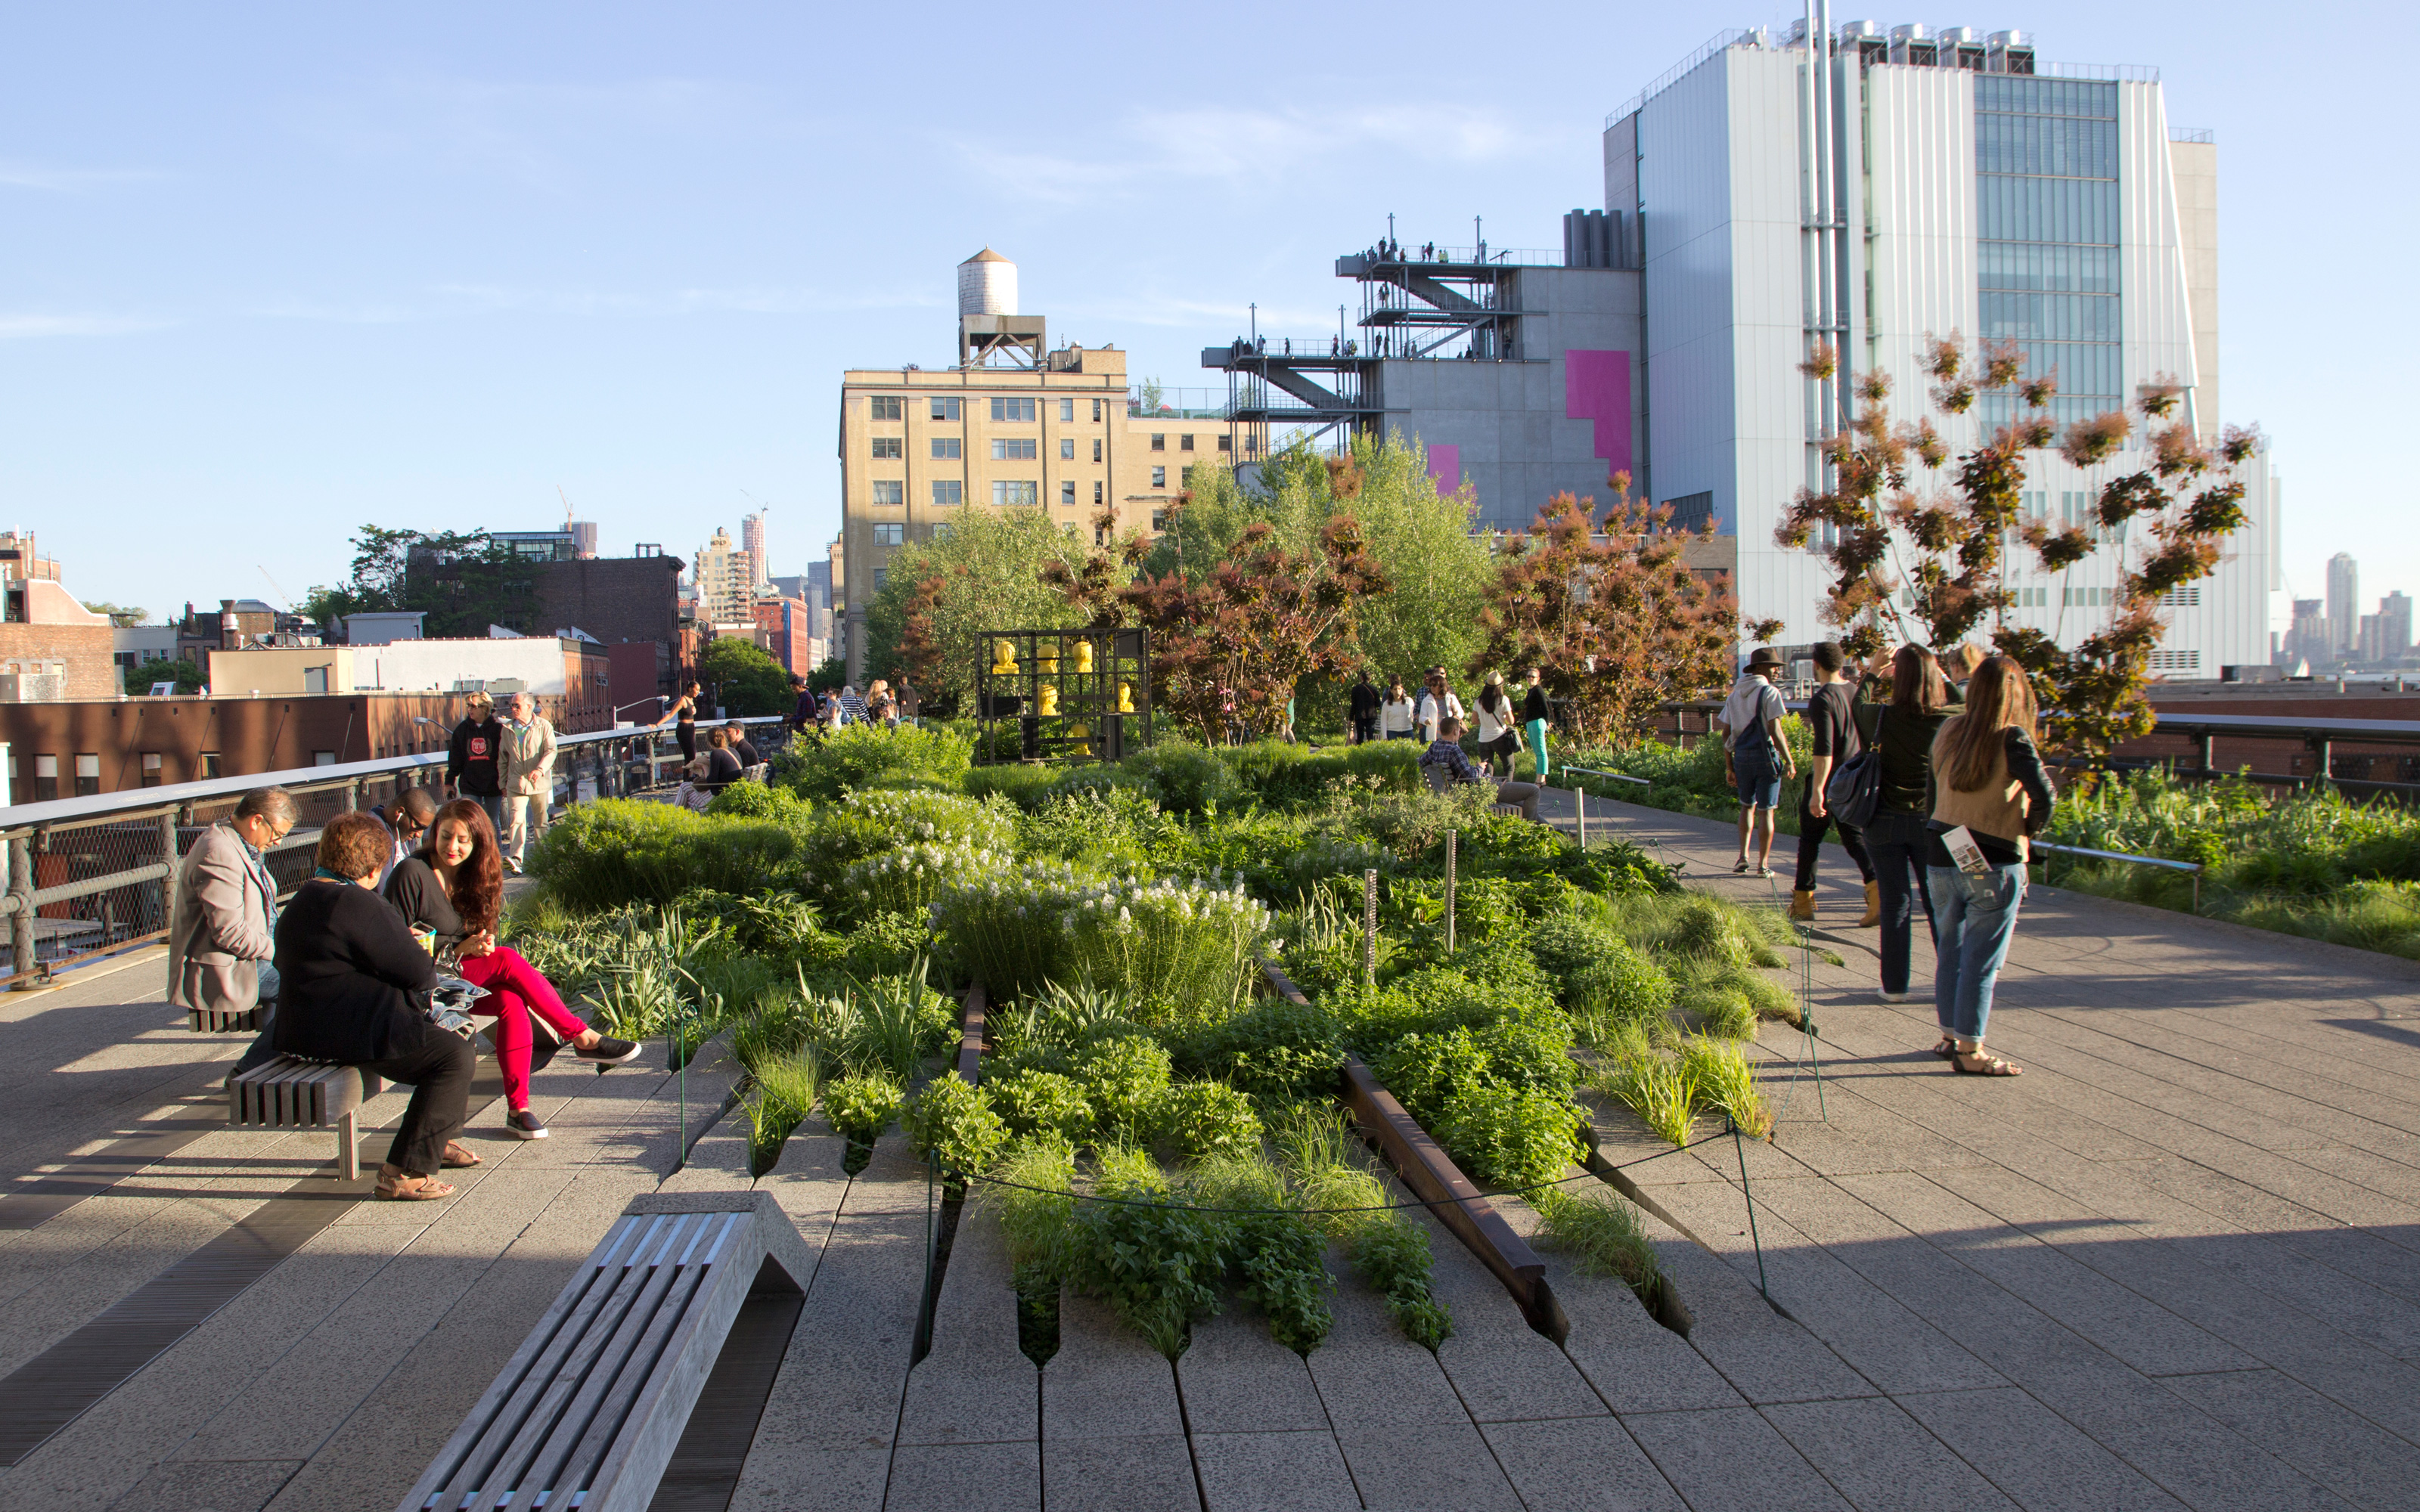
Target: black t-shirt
pixel 1905 741
pixel 420 898
pixel 1829 723
pixel 1534 706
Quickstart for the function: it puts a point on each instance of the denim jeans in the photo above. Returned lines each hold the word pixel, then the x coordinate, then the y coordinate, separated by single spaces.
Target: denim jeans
pixel 1897 844
pixel 1972 940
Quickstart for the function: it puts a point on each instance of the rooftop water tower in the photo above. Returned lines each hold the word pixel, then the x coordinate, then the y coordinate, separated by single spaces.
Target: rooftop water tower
pixel 990 331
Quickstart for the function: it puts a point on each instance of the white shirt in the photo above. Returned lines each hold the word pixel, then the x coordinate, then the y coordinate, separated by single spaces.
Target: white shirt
pixel 1490 726
pixel 1752 701
pixel 1396 715
pixel 1430 716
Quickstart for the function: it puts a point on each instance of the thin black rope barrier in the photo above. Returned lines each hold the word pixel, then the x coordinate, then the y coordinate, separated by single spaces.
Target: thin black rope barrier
pixel 1314 1212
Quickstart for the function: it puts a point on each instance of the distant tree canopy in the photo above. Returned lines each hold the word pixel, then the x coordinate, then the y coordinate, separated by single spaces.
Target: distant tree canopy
pixel 188 677
pixel 982 573
pixel 744 679
pixel 124 618
pixel 461 579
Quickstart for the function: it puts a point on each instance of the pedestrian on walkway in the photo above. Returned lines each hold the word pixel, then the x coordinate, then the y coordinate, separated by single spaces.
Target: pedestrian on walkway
pixel 1756 758
pixel 1535 712
pixel 1988 780
pixel 528 779
pixel 879 706
pixel 1896 841
pixel 852 707
pixel 1497 739
pixel 910 703
pixel 682 717
pixel 223 923
pixel 1959 667
pixel 1437 705
pixel 471 758
pixel 803 714
pixel 1395 713
pixel 1362 704
pixel 1833 731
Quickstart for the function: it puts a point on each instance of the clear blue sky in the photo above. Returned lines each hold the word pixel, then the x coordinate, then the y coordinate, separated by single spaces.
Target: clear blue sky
pixel 269 273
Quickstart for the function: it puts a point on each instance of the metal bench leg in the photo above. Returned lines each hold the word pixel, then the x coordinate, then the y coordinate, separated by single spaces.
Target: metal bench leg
pixel 349 1147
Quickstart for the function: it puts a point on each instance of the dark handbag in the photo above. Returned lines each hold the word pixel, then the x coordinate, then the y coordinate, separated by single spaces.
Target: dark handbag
pixel 1854 789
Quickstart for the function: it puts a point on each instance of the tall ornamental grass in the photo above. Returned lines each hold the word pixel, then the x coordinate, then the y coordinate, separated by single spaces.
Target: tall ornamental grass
pixel 1192 943
pixel 906 880
pixel 871 824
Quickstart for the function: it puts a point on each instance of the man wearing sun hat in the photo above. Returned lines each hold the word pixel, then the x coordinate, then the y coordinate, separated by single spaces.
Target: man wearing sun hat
pixel 1756 759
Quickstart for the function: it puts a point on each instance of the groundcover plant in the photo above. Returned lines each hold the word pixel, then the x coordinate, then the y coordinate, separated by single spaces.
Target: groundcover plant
pixel 1154 1125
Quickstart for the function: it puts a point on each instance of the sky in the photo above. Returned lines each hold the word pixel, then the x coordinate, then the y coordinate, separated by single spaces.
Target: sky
pixel 269 273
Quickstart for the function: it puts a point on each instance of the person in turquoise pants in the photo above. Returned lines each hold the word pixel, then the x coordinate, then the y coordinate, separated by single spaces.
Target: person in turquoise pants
pixel 1533 716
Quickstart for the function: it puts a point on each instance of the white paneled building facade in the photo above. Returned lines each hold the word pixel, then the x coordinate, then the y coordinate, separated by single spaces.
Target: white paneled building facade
pixel 1870 192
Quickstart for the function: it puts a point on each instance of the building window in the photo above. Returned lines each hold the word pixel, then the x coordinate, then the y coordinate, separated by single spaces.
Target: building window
pixel 151 768
pixel 1013 411
pixel 1096 412
pixel 1006 491
pixel 2086 597
pixel 87 775
pixel 1066 412
pixel 210 765
pixel 1066 448
pixel 1159 477
pixel 46 779
pixel 1097 447
pixel 947 409
pixel 945 449
pixel 1226 443
pixel 890 491
pixel 323 758
pixel 2176 661
pixel 888 406
pixel 947 491
pixel 1096 492
pixel 1184 443
pixel 889 448
pixel 1022 450
pixel 1067 492
pixel 2046 205
pixel 2185 598
pixel 1158 442
pixel 1159 519
pixel 890 535
pixel 879 574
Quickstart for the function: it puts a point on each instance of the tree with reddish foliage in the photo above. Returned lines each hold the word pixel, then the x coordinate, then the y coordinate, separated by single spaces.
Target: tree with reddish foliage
pixel 1229 648
pixel 1612 613
pixel 1919 546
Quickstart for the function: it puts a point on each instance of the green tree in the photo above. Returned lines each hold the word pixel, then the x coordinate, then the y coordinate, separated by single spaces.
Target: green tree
pixel 463 580
pixel 1437 571
pixel 828 676
pixel 741 677
pixel 124 618
pixel 182 671
pixel 980 574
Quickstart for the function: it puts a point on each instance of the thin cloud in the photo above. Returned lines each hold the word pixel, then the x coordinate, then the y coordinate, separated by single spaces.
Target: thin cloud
pixel 1240 146
pixel 68 181
pixel 28 326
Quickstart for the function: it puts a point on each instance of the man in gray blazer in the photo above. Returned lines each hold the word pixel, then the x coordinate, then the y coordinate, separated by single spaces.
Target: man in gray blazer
pixel 222 930
pixel 525 766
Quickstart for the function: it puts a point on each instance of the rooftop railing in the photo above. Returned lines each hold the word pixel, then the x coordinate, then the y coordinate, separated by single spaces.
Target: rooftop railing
pixel 92 877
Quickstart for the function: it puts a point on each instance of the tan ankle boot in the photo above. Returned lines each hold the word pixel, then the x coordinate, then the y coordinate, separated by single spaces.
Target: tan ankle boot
pixel 1873 906
pixel 1801 904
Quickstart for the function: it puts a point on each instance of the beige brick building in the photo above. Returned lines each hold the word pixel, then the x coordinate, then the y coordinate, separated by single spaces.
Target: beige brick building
pixel 1012 427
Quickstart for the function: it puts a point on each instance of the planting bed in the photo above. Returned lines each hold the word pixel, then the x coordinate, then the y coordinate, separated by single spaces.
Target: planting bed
pixel 1157 1128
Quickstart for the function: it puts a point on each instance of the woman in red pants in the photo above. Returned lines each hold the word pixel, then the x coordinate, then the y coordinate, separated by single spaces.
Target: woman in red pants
pixel 455 887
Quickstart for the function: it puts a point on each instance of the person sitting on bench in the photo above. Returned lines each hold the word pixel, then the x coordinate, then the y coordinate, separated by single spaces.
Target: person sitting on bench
pixel 222 925
pixel 1444 762
pixel 454 888
pixel 354 985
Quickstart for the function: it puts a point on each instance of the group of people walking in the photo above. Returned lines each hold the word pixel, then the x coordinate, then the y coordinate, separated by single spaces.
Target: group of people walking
pixel 1511 717
pixel 1956 787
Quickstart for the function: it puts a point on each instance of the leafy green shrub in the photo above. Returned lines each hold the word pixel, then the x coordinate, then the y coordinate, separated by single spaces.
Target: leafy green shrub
pixel 860 756
pixel 1125 1079
pixel 1391 1253
pixel 1108 829
pixel 617 851
pixel 956 1125
pixel 1037 1216
pixel 1156 1262
pixel 884 945
pixel 758 800
pixel 1046 921
pixel 1042 1101
pixel 1278 1258
pixel 1275 1050
pixel 903 881
pixel 1601 981
pixel 861 1106
pixel 1509 1136
pixel 1207 1117
pixel 873 822
pixel 1602 1234
pixel 1022 784
pixel 1423 1068
pixel 1188 778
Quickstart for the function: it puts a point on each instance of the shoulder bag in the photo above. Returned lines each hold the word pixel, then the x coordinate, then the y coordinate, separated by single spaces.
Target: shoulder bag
pixel 1854 789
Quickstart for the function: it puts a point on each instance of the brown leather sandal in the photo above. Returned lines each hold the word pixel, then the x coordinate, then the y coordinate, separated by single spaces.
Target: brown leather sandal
pixel 402 1187
pixel 459 1156
pixel 1987 1065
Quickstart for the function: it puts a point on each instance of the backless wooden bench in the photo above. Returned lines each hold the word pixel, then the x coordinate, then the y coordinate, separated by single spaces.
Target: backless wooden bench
pixel 285 1094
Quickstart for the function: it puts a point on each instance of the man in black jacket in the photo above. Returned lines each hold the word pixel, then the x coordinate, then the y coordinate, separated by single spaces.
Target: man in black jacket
pixel 1363 704
pixel 471 759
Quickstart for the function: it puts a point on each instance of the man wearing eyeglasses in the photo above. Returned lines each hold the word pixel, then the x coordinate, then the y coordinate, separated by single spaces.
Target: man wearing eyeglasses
pixel 222 927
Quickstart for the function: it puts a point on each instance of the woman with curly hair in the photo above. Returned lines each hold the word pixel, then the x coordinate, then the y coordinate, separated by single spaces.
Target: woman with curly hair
pixel 455 887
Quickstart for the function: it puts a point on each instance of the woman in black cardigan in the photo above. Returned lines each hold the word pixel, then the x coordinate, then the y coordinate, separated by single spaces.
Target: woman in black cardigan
pixel 348 970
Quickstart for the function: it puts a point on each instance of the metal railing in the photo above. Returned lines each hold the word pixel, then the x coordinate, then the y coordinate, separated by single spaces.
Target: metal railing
pixel 2193 867
pixel 92 877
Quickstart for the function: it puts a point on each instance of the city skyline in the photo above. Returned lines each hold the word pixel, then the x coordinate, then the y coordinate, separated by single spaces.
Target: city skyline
pixel 421 278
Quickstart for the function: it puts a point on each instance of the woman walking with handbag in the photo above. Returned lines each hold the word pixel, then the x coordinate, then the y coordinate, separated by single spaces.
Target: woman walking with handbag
pixel 1990 793
pixel 1901 734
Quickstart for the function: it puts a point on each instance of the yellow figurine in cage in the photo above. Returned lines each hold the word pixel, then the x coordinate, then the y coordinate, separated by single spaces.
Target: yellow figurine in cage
pixel 1004 658
pixel 1084 657
pixel 1049 700
pixel 1126 698
pixel 1046 659
pixel 1082 735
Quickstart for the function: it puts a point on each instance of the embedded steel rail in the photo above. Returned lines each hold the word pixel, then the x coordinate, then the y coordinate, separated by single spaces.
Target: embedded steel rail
pixel 2192 867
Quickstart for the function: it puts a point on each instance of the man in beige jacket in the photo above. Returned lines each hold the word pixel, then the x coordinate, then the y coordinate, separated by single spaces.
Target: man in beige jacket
pixel 526 767
pixel 222 922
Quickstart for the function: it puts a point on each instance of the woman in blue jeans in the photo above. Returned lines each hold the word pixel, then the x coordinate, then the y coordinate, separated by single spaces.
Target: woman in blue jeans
pixel 1988 780
pixel 1901 734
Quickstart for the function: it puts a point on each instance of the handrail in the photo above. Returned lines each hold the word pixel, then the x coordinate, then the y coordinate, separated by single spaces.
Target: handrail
pixel 2192 867
pixel 1591 771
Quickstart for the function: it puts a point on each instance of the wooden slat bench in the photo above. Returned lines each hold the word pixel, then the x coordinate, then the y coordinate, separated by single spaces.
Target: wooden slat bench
pixel 285 1094
pixel 587 1412
pixel 222 1021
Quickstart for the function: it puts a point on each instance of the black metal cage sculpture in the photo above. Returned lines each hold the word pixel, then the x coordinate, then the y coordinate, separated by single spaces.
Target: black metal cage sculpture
pixel 1069 695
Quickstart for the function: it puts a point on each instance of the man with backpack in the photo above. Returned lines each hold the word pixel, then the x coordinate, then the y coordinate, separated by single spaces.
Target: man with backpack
pixel 1756 758
pixel 1832 728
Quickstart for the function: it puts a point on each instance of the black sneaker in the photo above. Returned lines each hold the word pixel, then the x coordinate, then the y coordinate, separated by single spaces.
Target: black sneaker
pixel 610 1051
pixel 522 1125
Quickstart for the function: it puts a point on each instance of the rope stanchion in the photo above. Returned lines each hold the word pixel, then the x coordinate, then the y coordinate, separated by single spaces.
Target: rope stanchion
pixel 1741 1149
pixel 1370 928
pixel 1451 848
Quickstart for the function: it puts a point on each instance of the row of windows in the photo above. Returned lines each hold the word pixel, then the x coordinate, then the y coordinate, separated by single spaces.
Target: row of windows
pixel 952 407
pixel 2034 95
pixel 153 768
pixel 2086 369
pixel 2050 316
pixel 2011 208
pixel 2051 145
pixel 2048 267
pixel 1996 409
pixel 950 492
